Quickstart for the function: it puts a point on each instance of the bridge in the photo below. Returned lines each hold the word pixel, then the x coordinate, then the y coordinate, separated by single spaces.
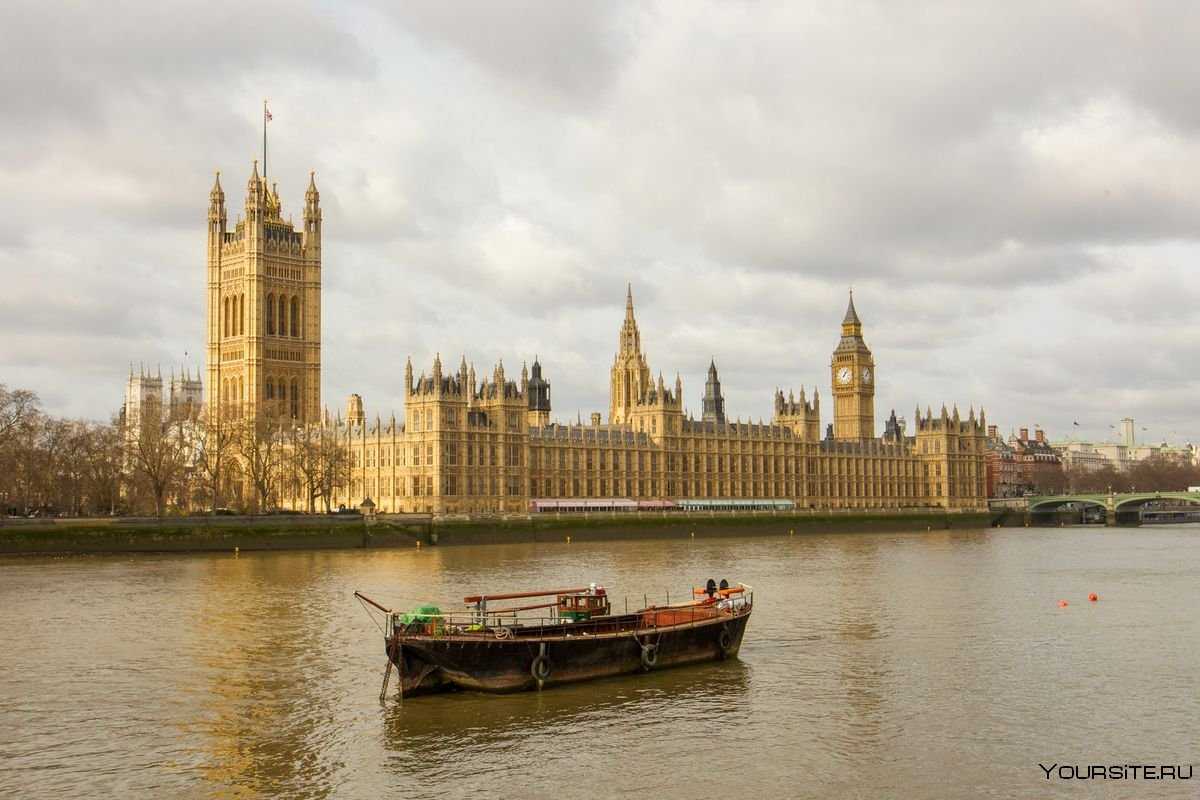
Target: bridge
pixel 1115 502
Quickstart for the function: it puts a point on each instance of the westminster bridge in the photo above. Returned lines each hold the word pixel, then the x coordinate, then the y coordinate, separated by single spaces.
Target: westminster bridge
pixel 1112 507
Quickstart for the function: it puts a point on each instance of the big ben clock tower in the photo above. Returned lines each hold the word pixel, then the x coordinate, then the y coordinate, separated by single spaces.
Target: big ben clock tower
pixel 853 372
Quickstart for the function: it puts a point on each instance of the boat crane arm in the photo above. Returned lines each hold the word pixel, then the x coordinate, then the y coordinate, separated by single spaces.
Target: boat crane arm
pixel 364 598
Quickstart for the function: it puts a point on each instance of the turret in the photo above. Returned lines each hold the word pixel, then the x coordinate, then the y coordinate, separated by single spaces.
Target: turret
pixel 713 404
pixel 408 376
pixel 312 216
pixel 216 213
pixel 538 397
pixel 354 410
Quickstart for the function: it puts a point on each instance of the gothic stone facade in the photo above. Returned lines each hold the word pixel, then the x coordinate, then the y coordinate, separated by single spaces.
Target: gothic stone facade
pixel 467 445
pixel 264 307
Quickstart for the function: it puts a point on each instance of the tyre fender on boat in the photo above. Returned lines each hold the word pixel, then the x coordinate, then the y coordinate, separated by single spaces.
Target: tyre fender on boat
pixel 725 641
pixel 649 656
pixel 541 667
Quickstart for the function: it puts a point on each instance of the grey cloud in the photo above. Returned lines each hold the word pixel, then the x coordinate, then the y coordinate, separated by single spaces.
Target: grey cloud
pixel 568 54
pixel 1009 190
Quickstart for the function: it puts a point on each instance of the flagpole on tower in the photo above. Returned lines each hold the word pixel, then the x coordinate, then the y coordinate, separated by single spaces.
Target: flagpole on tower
pixel 266 116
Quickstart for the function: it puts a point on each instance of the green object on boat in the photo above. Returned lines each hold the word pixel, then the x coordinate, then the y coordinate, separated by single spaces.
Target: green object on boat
pixel 421 614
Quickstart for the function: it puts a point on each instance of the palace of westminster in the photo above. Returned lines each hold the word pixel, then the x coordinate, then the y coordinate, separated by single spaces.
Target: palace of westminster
pixel 468 443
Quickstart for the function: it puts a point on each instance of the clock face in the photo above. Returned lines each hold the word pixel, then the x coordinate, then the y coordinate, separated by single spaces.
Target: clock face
pixel 866 375
pixel 843 375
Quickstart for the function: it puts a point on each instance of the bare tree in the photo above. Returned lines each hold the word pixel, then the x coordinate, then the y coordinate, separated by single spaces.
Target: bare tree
pixel 17 406
pixel 217 438
pixel 306 459
pixel 333 465
pixel 160 451
pixel 260 445
pixel 104 466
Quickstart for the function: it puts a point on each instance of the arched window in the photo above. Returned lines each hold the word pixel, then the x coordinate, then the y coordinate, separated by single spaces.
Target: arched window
pixel 241 390
pixel 241 315
pixel 295 316
pixel 225 391
pixel 269 390
pixel 282 316
pixel 270 315
pixel 225 316
pixel 295 399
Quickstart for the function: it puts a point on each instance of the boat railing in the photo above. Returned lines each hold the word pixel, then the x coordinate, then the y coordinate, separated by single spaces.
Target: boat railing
pixel 518 623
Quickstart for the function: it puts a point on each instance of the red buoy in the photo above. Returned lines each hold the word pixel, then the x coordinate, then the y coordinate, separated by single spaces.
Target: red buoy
pixel 1062 603
pixel 1093 597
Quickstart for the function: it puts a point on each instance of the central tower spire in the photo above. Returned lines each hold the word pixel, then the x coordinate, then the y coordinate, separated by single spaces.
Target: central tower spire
pixel 630 372
pixel 631 338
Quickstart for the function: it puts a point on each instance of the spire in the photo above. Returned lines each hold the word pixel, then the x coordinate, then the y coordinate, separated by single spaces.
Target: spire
pixel 312 199
pixel 851 317
pixel 630 343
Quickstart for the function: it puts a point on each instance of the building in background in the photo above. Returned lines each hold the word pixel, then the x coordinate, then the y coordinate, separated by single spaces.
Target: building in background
pixel 144 394
pixel 1004 477
pixel 1041 468
pixel 1120 456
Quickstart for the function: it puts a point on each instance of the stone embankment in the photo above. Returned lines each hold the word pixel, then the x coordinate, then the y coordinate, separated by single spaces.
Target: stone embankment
pixel 324 531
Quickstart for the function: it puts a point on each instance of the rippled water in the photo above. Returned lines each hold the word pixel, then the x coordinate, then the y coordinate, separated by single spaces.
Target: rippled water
pixel 902 665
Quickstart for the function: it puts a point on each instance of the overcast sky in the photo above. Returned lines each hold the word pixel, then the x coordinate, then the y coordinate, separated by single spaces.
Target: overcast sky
pixel 1013 191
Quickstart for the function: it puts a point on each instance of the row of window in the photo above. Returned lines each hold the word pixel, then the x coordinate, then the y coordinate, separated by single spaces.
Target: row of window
pixel 288 311
pixel 478 485
pixel 277 391
pixel 233 390
pixel 283 315
pixel 423 419
pixel 233 312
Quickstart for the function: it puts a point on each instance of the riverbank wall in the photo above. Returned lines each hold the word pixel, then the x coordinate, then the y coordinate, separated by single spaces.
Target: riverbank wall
pixel 305 532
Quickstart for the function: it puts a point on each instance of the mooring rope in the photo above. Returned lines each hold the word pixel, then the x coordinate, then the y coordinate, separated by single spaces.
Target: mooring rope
pixel 371 616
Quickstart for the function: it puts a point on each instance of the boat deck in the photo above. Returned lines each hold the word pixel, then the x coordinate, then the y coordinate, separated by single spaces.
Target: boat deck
pixel 648 621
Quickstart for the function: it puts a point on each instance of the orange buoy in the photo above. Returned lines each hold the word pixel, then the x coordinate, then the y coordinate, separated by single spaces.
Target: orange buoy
pixel 1093 597
pixel 1062 603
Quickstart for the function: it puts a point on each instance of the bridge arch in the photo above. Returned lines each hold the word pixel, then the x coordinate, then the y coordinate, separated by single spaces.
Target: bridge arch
pixel 1044 504
pixel 1130 501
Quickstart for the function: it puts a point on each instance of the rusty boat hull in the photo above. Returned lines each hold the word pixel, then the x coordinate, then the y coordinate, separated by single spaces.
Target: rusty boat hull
pixel 546 656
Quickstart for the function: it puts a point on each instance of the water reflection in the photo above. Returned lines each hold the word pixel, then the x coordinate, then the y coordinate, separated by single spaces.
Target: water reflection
pixel 259 632
pixel 483 722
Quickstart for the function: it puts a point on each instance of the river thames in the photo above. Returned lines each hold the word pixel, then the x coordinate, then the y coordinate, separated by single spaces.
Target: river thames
pixel 922 665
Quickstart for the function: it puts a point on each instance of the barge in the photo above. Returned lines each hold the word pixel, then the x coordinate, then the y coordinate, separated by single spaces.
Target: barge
pixel 502 644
